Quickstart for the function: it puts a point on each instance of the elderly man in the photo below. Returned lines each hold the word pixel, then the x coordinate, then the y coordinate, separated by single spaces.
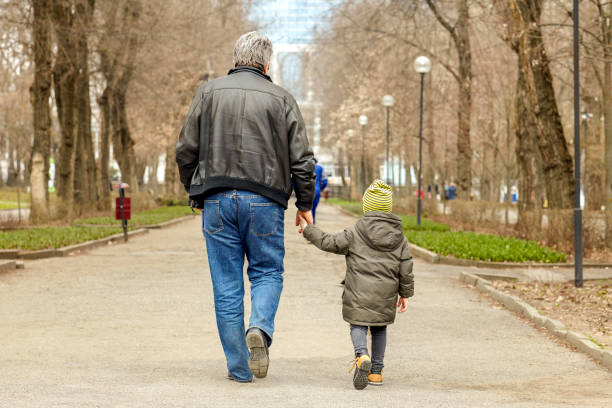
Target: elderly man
pixel 242 145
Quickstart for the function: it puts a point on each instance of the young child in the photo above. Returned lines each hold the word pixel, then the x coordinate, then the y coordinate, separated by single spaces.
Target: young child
pixel 378 268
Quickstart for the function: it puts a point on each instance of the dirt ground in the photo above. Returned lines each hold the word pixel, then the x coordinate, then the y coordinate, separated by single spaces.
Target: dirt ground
pixel 587 310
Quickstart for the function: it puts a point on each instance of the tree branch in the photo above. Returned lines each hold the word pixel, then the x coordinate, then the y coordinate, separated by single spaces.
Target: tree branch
pixel 419 47
pixel 442 20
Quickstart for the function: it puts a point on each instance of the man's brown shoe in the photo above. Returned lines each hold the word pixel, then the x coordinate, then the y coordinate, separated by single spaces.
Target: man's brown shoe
pixel 375 379
pixel 258 346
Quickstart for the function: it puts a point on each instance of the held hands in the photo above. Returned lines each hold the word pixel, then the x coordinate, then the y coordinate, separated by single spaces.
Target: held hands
pixel 402 305
pixel 303 218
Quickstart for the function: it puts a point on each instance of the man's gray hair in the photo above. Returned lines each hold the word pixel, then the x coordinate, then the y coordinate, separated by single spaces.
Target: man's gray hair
pixel 253 49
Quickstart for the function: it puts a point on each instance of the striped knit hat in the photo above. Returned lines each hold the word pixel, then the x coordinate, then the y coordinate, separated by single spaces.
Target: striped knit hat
pixel 378 197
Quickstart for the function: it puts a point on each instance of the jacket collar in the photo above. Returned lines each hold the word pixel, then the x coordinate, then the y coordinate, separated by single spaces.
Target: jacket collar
pixel 253 70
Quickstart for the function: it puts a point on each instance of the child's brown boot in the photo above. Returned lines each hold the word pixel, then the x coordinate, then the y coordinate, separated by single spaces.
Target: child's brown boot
pixel 362 366
pixel 375 378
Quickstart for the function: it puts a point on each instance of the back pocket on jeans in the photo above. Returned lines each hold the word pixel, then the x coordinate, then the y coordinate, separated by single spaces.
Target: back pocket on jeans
pixel 211 219
pixel 265 218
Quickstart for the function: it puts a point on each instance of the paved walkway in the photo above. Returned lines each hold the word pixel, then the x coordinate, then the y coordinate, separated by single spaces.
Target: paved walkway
pixel 133 326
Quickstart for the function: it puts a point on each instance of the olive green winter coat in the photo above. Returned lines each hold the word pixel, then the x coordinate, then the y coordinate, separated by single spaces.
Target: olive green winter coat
pixel 378 266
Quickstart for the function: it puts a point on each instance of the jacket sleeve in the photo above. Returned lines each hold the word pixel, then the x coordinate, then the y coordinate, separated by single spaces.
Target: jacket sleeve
pixel 406 278
pixel 336 243
pixel 301 159
pixel 188 145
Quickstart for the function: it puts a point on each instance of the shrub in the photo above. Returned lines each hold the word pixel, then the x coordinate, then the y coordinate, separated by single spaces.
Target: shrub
pixel 409 222
pixel 483 247
pixel 52 237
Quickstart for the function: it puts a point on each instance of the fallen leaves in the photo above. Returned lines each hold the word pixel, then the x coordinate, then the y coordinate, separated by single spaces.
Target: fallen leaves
pixel 587 310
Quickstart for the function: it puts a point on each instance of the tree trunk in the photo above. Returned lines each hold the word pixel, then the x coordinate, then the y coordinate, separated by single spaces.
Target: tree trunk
pixel 140 170
pixel 171 182
pixel 460 33
pixel 64 76
pixel 104 102
pixel 12 170
pixel 525 131
pixel 85 180
pixel 464 110
pixel 39 93
pixel 153 174
pixel 123 144
pixel 525 37
pixel 534 62
pixel 606 25
pixel 341 167
pixel 109 52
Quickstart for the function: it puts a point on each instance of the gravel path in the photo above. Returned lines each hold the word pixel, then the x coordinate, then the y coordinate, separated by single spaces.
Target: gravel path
pixel 133 326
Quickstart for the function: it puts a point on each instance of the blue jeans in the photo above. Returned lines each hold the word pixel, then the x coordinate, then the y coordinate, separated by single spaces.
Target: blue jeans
pixel 238 223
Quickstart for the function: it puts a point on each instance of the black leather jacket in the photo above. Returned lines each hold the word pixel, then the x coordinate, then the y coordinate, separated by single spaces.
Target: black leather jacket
pixel 243 132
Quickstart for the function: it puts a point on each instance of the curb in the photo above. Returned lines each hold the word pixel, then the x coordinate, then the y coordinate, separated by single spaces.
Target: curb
pixel 423 253
pixel 8 266
pixel 8 253
pixel 520 307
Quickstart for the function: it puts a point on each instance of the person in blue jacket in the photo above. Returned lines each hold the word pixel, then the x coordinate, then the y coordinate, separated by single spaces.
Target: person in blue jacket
pixel 320 184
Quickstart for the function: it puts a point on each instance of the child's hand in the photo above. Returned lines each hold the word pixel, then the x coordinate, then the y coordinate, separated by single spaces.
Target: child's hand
pixel 303 223
pixel 402 305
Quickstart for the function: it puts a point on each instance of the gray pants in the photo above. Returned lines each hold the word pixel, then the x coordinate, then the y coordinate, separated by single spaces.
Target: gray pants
pixel 359 336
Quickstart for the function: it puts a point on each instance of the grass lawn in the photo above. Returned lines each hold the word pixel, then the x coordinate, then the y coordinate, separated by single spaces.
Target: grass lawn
pixel 483 247
pixel 52 237
pixel 409 222
pixel 13 205
pixel 8 198
pixel 142 218
pixel 439 238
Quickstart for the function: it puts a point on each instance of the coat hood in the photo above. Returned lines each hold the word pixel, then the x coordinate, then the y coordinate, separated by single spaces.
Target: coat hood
pixel 381 230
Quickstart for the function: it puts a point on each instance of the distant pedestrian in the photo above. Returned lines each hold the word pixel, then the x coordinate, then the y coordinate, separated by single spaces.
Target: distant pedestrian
pixel 320 184
pixel 451 192
pixel 242 145
pixel 379 268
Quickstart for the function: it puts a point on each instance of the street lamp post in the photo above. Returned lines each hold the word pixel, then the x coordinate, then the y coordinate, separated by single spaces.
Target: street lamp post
pixel 363 121
pixel 577 209
pixel 387 102
pixel 350 134
pixel 422 65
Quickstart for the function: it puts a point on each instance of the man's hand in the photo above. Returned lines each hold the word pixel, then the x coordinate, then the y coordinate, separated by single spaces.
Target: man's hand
pixel 306 215
pixel 402 305
pixel 303 223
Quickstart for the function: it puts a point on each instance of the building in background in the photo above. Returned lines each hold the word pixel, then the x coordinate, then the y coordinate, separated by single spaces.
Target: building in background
pixel 291 25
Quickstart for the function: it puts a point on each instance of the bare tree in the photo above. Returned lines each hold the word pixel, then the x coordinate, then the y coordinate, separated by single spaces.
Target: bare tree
pixel 460 34
pixel 40 93
pixel 64 81
pixel 523 21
